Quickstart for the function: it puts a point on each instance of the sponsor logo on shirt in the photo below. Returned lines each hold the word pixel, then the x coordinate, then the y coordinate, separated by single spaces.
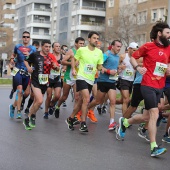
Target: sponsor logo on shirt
pixel 160 53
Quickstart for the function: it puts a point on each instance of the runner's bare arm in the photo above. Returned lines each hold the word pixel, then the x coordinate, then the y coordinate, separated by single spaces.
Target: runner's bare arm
pixel 30 70
pixel 68 56
pixel 99 67
pixel 121 65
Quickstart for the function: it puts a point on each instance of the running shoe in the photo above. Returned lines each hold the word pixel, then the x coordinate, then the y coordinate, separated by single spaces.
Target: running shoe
pixel 141 125
pixel 11 94
pixel 99 109
pixel 19 116
pixel 45 115
pixel 83 127
pixel 69 122
pixel 75 121
pixel 57 112
pixel 166 139
pixel 26 124
pixel 78 115
pixel 104 110
pixel 158 151
pixel 11 111
pixel 120 130
pixel 51 110
pixel 26 111
pixel 64 104
pixel 32 121
pixel 112 126
pixel 143 135
pixel 91 116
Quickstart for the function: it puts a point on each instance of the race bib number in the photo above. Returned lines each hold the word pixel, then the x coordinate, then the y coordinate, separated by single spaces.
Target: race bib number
pixel 14 71
pixel 128 72
pixel 160 69
pixel 55 72
pixel 88 69
pixel 115 77
pixel 43 78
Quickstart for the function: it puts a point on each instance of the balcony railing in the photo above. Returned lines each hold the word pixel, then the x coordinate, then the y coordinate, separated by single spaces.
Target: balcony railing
pixel 41 21
pixel 92 23
pixel 39 33
pixel 93 8
pixel 40 9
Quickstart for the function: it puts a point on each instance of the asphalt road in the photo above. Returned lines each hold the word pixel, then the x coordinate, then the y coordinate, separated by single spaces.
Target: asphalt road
pixel 51 146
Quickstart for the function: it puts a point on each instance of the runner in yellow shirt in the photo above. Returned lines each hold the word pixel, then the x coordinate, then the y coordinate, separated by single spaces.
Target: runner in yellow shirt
pixel 90 59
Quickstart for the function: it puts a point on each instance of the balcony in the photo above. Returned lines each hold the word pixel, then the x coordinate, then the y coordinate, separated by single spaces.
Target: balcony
pixel 40 35
pixel 89 11
pixel 41 21
pixel 39 11
pixel 93 8
pixel 88 26
pixel 92 23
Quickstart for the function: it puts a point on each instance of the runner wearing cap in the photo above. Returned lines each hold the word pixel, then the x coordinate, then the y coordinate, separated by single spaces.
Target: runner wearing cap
pixel 126 76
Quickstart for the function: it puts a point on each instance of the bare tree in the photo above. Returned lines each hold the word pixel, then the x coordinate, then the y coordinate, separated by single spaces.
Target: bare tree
pixel 124 25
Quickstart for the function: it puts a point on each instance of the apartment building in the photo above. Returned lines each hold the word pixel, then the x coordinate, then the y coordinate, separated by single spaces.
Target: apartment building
pixel 7 13
pixel 33 16
pixel 132 20
pixel 74 18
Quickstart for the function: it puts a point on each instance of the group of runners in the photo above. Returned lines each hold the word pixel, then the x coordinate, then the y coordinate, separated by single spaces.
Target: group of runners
pixel 94 77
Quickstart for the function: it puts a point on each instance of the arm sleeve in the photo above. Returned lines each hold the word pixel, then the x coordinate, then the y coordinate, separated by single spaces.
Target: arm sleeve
pixel 141 52
pixel 15 50
pixel 53 58
pixel 30 58
pixel 104 57
pixel 100 61
pixel 78 54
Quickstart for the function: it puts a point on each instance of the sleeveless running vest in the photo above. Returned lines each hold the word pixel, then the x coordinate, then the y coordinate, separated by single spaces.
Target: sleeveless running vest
pixel 128 73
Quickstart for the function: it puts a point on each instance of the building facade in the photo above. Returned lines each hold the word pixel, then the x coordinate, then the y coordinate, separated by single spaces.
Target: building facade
pixel 33 16
pixel 132 20
pixel 7 13
pixel 75 18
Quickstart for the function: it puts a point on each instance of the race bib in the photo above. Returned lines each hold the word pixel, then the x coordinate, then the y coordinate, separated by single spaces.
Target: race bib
pixel 160 69
pixel 128 72
pixel 55 72
pixel 43 78
pixel 14 71
pixel 115 77
pixel 88 69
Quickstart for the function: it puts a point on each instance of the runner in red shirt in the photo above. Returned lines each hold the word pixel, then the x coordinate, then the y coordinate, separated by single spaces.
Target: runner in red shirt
pixel 156 56
pixel 41 62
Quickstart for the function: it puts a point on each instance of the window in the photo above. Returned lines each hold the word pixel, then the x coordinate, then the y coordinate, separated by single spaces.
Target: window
pixel 157 14
pixel 129 1
pixel 111 3
pixel 141 17
pixel 110 22
pixel 2 44
pixel 140 1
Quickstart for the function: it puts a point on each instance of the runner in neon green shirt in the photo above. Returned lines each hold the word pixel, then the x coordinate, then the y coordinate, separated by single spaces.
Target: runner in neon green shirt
pixel 90 59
